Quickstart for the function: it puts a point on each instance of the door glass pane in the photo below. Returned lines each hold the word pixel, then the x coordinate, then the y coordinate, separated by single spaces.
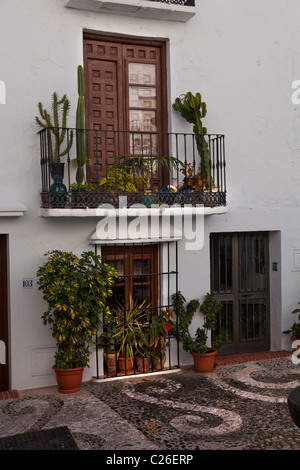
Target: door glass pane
pixel 142 121
pixel 222 264
pixel 143 144
pixel 252 263
pixel 142 74
pixel 142 97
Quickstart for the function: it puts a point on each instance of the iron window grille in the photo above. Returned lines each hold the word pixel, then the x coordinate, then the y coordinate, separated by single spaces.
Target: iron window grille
pixel 147 271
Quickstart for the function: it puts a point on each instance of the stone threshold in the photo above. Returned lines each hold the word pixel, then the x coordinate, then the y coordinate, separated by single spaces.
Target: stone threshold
pixel 232 359
pixel 9 394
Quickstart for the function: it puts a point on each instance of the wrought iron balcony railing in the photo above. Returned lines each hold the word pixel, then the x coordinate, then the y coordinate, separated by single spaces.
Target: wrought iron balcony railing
pixel 148 168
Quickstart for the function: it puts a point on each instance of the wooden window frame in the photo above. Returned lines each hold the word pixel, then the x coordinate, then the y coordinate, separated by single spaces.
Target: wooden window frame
pixel 129 254
pixel 122 96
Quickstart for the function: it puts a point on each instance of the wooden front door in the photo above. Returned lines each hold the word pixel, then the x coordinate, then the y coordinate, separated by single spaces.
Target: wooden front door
pixel 125 99
pixel 4 366
pixel 240 280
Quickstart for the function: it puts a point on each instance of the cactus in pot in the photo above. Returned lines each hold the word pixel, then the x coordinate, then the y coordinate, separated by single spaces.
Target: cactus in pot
pixel 60 106
pixel 80 141
pixel 193 109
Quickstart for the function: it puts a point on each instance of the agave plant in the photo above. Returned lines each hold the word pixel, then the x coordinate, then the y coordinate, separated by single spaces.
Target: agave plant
pixel 131 321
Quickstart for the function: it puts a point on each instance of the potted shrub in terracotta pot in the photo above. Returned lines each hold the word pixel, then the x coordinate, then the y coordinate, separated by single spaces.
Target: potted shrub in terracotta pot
pixel 131 320
pixel 203 355
pixel 295 329
pixel 76 289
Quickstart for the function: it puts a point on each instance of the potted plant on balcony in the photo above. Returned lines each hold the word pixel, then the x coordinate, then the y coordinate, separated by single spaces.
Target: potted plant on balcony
pixel 83 195
pixel 131 320
pixel 145 168
pixel 193 110
pixel 57 130
pixel 119 179
pixel 202 354
pixel 76 289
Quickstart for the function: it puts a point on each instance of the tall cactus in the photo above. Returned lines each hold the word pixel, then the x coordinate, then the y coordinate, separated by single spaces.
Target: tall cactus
pixel 59 106
pixel 80 141
pixel 193 109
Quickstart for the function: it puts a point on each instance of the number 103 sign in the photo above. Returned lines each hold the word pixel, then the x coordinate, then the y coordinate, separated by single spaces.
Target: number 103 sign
pixel 27 283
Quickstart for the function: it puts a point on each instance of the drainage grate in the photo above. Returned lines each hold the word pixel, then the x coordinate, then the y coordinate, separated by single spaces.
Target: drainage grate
pixel 48 439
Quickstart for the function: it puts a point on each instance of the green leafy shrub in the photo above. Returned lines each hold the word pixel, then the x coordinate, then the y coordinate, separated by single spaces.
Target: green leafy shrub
pixel 210 309
pixel 76 289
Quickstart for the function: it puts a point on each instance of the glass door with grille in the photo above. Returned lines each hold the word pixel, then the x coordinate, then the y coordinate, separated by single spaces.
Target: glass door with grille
pixel 240 280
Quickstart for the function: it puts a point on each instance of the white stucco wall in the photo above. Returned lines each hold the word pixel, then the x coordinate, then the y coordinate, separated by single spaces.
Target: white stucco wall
pixel 242 57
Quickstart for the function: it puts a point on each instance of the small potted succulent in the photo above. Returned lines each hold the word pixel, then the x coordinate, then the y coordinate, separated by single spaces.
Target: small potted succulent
pixel 76 289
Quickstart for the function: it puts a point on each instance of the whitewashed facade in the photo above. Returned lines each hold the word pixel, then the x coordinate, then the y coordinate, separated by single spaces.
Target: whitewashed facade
pixel 243 57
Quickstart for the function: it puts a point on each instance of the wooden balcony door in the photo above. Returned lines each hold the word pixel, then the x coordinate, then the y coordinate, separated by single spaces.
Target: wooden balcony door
pixel 4 366
pixel 240 280
pixel 125 99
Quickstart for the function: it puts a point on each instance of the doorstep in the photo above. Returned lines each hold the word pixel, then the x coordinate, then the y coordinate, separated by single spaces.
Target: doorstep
pixel 248 357
pixel 9 394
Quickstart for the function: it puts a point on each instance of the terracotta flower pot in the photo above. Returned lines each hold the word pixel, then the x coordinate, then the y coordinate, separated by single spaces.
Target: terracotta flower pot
pixel 69 380
pixel 143 364
pixel 205 362
pixel 159 363
pixel 129 365
pixel 111 360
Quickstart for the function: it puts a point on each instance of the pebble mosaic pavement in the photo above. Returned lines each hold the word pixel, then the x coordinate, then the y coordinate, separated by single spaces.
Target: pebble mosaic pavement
pixel 236 407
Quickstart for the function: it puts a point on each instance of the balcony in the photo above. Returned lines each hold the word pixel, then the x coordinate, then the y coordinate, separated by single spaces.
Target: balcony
pixel 173 10
pixel 146 168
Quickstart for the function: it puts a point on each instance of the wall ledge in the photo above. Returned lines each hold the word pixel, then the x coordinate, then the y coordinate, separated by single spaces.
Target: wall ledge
pixel 136 8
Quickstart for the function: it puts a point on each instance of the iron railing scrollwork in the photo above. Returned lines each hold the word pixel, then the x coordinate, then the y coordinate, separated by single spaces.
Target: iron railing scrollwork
pixel 147 167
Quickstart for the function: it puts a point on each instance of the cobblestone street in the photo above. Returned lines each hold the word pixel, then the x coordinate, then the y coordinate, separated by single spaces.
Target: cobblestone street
pixel 238 407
